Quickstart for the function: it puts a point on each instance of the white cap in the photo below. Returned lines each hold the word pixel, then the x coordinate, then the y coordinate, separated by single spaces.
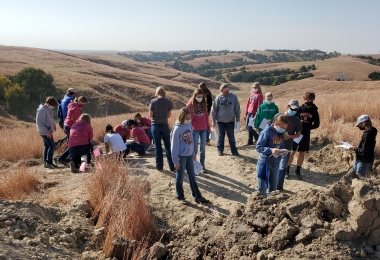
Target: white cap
pixel 362 119
pixel 72 90
pixel 124 123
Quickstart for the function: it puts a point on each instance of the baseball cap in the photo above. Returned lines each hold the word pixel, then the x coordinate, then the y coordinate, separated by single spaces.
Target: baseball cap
pixel 131 122
pixel 124 123
pixel 72 90
pixel 293 104
pixel 362 119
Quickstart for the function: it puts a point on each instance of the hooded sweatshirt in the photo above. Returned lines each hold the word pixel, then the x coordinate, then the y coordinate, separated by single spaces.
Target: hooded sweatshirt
pixel 253 103
pixel 365 152
pixel 44 120
pixel 265 111
pixel 181 140
pixel 64 103
pixel 226 109
pixel 81 133
pixel 200 117
pixel 269 138
pixel 73 113
pixel 309 117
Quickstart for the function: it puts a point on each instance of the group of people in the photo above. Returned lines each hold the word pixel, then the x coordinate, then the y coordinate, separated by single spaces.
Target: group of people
pixel 271 131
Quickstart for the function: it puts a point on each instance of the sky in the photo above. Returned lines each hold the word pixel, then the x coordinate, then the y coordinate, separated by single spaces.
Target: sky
pixel 346 26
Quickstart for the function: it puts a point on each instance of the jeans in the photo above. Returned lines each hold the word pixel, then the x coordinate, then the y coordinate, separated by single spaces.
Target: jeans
pixel 158 132
pixel 49 147
pixel 77 151
pixel 222 129
pixel 272 177
pixel 136 147
pixel 281 171
pixel 361 167
pixel 202 134
pixel 66 153
pixel 149 134
pixel 251 132
pixel 186 163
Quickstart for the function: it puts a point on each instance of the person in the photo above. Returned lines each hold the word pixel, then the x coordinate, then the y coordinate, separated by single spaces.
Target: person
pixel 266 111
pixel 270 141
pixel 160 109
pixel 309 116
pixel 292 131
pixel 70 96
pixel 123 130
pixel 139 141
pixel 182 149
pixel 144 123
pixel 74 110
pixel 81 134
pixel 365 151
pixel 198 107
pixel 45 127
pixel 113 141
pixel 208 96
pixel 225 111
pixel 254 101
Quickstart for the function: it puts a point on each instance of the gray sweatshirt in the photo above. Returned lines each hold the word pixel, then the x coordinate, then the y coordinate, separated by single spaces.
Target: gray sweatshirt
pixel 44 120
pixel 226 109
pixel 181 141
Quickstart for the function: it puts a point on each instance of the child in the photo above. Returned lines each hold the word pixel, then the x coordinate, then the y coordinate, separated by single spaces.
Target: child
pixel 182 150
pixel 123 130
pixel 365 151
pixel 144 123
pixel 113 141
pixel 271 139
pixel 267 110
pixel 309 116
pixel 254 101
pixel 139 141
pixel 198 107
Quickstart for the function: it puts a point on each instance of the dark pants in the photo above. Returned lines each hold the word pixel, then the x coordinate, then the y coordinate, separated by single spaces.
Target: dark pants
pixel 49 147
pixel 224 128
pixel 65 153
pixel 77 151
pixel 251 132
pixel 136 147
pixel 158 132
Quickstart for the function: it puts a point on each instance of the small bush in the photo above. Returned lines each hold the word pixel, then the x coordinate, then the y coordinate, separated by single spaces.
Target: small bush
pixel 343 77
pixel 374 75
pixel 17 184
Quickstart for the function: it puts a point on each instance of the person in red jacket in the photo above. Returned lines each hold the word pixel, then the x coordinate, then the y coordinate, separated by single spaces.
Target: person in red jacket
pixel 81 134
pixel 254 101
pixel 198 107
pixel 144 123
pixel 74 110
pixel 123 130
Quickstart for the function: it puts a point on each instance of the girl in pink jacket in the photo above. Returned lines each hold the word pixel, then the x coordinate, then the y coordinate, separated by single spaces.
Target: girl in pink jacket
pixel 254 101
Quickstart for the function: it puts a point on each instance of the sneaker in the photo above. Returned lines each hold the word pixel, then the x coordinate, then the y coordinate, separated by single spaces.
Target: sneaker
pixel 51 166
pixel 220 153
pixel 60 161
pixel 249 143
pixel 202 200
pixel 287 175
pixel 73 168
pixel 235 154
pixel 173 170
pixel 299 176
pixel 204 171
pixel 182 200
pixel 149 148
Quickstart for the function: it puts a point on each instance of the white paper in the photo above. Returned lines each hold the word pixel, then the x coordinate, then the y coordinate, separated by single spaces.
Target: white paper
pixel 280 153
pixel 343 145
pixel 251 122
pixel 298 139
pixel 212 135
pixel 263 123
pixel 237 127
pixel 197 167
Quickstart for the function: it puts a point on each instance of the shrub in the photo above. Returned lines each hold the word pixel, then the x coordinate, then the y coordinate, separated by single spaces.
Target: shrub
pixel 374 75
pixel 17 184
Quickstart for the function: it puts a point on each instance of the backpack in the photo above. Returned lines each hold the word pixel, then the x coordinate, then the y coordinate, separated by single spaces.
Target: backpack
pixel 60 114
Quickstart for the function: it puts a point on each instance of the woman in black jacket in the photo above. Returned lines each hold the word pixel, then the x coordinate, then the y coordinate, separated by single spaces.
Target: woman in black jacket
pixel 208 97
pixel 365 151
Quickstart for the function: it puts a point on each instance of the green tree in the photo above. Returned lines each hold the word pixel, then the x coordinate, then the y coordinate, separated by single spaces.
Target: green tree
pixel 276 82
pixel 303 69
pixel 16 98
pixel 290 77
pixel 5 83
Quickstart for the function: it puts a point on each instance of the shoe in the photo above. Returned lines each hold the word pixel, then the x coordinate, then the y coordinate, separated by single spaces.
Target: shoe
pixel 202 200
pixel 299 176
pixel 249 143
pixel 287 175
pixel 204 171
pixel 149 148
pixel 51 166
pixel 173 170
pixel 182 201
pixel 235 154
pixel 60 161
pixel 73 168
pixel 220 153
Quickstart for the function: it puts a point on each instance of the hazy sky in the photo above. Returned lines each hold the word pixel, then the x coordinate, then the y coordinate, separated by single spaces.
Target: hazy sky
pixel 346 26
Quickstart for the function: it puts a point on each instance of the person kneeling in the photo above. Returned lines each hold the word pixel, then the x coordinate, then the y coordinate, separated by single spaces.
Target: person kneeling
pixel 114 142
pixel 139 141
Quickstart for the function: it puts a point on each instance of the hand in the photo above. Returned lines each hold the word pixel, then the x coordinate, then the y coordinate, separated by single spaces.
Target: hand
pixel 275 151
pixel 49 135
pixel 177 166
pixel 209 130
pixel 213 124
pixel 286 137
pixel 245 117
pixel 352 148
pixel 194 158
pixel 55 128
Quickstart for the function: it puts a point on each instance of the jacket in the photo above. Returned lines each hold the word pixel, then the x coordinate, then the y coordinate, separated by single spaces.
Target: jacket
pixel 199 120
pixel 226 109
pixel 309 117
pixel 64 103
pixel 44 120
pixel 73 113
pixel 253 103
pixel 265 111
pixel 269 138
pixel 81 133
pixel 365 152
pixel 181 140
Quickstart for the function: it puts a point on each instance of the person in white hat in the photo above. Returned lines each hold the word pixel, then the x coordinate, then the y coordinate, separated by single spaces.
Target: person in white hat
pixel 365 151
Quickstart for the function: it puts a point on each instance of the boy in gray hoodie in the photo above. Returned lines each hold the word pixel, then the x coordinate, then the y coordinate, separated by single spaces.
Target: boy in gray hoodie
pixel 45 127
pixel 182 150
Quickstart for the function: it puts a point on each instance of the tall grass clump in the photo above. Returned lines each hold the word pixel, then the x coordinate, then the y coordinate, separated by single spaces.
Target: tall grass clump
pixel 118 198
pixel 17 184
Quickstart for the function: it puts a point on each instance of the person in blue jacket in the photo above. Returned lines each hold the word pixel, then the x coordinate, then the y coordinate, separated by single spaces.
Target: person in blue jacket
pixel 182 151
pixel 70 96
pixel 270 141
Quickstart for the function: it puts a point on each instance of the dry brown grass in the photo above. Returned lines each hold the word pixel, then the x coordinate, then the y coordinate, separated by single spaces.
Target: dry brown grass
pixel 17 184
pixel 120 204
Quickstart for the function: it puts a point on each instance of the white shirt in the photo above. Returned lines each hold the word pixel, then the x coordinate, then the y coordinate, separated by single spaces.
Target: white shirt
pixel 115 141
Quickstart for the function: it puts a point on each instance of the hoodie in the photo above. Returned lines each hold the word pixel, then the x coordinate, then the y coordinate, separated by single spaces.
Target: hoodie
pixel 73 113
pixel 81 133
pixel 199 120
pixel 64 103
pixel 253 103
pixel 265 111
pixel 365 152
pixel 181 140
pixel 44 120
pixel 269 138
pixel 309 117
pixel 226 109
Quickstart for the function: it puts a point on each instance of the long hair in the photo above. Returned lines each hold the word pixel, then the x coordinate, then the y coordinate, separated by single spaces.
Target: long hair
pixel 160 92
pixel 81 99
pixel 85 117
pixel 205 89
pixel 193 101
pixel 182 115
pixel 257 84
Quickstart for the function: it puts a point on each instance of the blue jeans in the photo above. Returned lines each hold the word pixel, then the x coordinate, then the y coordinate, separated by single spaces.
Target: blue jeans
pixel 77 151
pixel 222 129
pixel 281 171
pixel 361 167
pixel 158 132
pixel 49 147
pixel 202 134
pixel 66 153
pixel 136 147
pixel 186 163
pixel 272 176
pixel 251 132
pixel 149 134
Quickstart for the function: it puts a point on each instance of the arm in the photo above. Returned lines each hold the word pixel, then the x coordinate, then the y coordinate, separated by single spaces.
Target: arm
pixel 107 145
pixel 246 108
pixel 315 124
pixel 91 135
pixel 151 114
pixel 169 113
pixel 237 110
pixel 175 146
pixel 208 124
pixel 214 111
pixel 258 118
pixel 134 136
pixel 261 145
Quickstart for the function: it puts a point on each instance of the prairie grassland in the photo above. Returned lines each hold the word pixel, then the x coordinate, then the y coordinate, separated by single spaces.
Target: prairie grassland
pixel 17 184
